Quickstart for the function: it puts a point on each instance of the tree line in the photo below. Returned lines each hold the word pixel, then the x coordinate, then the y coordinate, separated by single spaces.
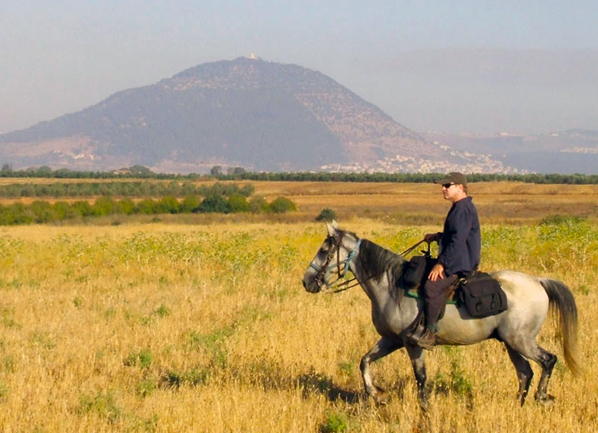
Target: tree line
pixel 238 173
pixel 43 212
pixel 122 189
pixel 572 179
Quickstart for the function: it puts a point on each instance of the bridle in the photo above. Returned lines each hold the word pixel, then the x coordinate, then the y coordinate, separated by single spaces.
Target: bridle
pixel 341 267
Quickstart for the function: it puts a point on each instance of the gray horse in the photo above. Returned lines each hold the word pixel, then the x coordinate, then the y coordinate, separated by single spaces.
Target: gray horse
pixel 377 269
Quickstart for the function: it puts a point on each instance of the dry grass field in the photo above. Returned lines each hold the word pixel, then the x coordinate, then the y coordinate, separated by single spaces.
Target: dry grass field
pixel 204 326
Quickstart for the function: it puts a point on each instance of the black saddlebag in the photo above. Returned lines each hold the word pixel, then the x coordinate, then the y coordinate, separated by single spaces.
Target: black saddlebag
pixel 482 295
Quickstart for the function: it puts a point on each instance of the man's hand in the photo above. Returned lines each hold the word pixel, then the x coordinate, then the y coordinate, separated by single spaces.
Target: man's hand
pixel 432 237
pixel 437 272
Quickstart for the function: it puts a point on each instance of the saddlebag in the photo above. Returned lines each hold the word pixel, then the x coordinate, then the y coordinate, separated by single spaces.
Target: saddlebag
pixel 415 271
pixel 482 295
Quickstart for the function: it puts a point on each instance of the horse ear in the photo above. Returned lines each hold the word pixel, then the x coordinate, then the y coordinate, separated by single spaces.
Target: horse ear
pixel 332 228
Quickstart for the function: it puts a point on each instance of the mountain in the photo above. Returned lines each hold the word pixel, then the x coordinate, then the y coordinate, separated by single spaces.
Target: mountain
pixel 245 112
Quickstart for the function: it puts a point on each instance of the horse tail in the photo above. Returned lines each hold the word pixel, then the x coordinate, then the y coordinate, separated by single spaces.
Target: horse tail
pixel 561 299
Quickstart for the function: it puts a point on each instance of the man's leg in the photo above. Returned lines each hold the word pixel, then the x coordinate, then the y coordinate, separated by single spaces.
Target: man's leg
pixel 434 302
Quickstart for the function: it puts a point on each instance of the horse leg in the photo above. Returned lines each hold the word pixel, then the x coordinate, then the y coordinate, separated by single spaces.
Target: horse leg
pixel 524 373
pixel 383 347
pixel 547 360
pixel 418 358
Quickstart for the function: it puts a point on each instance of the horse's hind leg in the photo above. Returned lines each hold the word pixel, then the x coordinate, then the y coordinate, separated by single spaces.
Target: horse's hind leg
pixel 524 373
pixel 382 348
pixel 547 360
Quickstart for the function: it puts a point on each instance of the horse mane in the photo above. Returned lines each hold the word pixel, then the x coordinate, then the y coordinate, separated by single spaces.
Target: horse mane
pixel 377 261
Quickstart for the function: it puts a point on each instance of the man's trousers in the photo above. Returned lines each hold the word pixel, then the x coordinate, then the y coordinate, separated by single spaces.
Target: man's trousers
pixel 435 298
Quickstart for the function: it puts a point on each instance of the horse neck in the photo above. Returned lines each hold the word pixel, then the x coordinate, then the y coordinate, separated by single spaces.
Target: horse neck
pixel 377 268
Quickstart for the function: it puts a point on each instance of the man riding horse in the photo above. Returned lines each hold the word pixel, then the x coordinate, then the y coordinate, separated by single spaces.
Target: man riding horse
pixel 459 254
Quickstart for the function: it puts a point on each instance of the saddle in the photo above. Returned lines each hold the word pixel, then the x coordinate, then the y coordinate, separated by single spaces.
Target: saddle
pixel 415 274
pixel 481 294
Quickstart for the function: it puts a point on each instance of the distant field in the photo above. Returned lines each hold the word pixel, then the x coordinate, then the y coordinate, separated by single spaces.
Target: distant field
pixel 423 203
pixel 408 203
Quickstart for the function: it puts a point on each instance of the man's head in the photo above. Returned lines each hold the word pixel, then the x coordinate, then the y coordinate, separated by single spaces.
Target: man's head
pixel 454 186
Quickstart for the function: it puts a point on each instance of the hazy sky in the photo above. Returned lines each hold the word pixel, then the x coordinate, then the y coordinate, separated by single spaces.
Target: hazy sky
pixel 463 65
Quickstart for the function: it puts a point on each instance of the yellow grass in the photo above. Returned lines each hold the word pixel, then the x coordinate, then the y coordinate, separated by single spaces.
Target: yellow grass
pixel 169 328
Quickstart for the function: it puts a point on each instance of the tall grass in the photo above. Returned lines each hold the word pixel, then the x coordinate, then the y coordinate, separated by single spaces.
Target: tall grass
pixel 151 328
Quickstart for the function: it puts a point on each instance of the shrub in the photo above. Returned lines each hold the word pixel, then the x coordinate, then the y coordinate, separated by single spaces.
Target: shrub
pixel 326 215
pixel 238 203
pixel 63 211
pixel 335 423
pixel 42 211
pixel 104 206
pixel 282 205
pixel 82 208
pixel 147 207
pixel 168 204
pixel 126 207
pixel 143 359
pixel 258 204
pixel 18 213
pixel 214 203
pixel 189 204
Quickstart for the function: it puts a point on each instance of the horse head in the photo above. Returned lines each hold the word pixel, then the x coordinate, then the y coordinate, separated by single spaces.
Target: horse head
pixel 334 255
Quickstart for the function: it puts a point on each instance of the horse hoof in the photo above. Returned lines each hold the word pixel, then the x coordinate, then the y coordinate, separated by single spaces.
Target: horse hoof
pixel 546 401
pixel 380 400
pixel 380 397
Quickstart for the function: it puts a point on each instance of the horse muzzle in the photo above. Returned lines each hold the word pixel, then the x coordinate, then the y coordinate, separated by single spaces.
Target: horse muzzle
pixel 312 286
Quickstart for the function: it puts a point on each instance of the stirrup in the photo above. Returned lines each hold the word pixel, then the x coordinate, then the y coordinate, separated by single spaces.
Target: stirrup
pixel 417 333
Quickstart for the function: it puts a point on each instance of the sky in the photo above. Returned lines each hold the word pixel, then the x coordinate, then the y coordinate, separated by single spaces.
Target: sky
pixel 482 67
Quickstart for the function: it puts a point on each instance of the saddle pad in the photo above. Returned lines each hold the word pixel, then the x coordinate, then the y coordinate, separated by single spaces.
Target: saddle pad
pixel 450 299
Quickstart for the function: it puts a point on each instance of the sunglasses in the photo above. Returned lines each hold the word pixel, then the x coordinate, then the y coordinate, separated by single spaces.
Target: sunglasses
pixel 447 185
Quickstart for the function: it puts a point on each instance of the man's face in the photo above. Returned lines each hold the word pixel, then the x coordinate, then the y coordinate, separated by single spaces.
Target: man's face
pixel 452 192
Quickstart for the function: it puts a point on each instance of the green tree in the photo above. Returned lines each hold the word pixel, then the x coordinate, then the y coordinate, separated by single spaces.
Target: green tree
pixel 167 204
pixel 6 170
pixel 326 215
pixel 42 211
pixel 105 206
pixel 82 208
pixel 282 205
pixel 147 207
pixel 140 170
pixel 214 203
pixel 238 203
pixel 258 204
pixel 189 204
pixel 18 213
pixel 126 207
pixel 63 211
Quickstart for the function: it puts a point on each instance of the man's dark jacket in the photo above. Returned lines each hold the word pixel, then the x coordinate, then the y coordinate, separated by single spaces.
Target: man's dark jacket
pixel 460 243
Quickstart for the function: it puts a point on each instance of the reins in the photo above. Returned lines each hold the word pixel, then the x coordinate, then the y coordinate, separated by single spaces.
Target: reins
pixel 411 248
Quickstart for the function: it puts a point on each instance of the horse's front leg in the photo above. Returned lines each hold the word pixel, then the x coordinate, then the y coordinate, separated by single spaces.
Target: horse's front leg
pixel 418 356
pixel 382 348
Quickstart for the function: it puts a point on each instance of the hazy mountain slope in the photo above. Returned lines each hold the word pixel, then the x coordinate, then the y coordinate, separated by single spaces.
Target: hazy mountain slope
pixel 248 112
